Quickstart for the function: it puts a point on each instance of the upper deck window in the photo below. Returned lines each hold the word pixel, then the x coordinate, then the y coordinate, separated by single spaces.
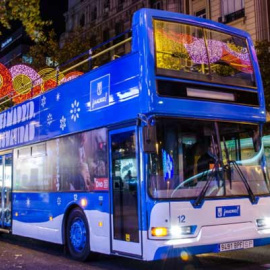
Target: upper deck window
pixel 197 53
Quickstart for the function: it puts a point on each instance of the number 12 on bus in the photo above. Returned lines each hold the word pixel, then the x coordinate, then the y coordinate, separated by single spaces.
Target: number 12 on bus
pixel 155 153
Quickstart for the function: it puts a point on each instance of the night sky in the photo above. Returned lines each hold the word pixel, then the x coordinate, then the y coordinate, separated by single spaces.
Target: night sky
pixel 53 10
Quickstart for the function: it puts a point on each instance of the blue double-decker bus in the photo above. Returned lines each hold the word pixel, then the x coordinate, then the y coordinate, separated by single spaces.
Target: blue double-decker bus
pixel 155 154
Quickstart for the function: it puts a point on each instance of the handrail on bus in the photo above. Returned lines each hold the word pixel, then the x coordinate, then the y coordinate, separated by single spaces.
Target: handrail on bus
pixel 10 97
pixel 97 55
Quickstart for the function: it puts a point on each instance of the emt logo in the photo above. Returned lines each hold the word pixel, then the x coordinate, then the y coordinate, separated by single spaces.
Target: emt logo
pixel 228 211
pixel 100 92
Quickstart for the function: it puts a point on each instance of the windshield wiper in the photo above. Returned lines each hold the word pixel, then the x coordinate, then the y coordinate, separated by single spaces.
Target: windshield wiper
pixel 214 174
pixel 215 171
pixel 242 176
pixel 227 167
pixel 252 197
pixel 210 178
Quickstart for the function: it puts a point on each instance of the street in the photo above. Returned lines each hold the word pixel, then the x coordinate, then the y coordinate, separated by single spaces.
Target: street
pixel 22 253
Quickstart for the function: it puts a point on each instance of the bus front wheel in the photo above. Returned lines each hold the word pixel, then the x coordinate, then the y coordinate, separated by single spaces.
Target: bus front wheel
pixel 77 235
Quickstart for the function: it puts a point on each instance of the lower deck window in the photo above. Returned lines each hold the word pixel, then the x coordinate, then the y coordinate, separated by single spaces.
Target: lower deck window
pixel 76 162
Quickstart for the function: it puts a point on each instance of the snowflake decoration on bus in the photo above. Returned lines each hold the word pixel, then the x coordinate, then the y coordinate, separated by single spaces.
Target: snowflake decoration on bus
pixel 57 96
pixel 49 119
pixel 63 123
pixel 28 202
pixel 43 101
pixel 59 201
pixel 75 110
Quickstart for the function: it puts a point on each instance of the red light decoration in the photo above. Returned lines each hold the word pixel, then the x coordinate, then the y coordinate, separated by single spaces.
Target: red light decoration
pixel 50 78
pixel 177 37
pixel 6 88
pixel 22 82
pixel 70 76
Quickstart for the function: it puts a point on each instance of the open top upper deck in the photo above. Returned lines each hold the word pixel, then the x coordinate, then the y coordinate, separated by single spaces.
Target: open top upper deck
pixel 166 73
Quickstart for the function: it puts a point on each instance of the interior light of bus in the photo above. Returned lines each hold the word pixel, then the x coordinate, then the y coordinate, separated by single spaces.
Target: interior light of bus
pixel 159 231
pixel 192 92
pixel 263 222
pixel 156 147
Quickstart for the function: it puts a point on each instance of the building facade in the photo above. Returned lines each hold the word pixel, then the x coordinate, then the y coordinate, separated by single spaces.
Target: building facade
pixel 102 19
pixel 15 43
pixel 14 48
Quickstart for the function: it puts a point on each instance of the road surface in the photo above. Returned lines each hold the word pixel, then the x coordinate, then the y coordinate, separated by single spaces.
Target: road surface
pixel 22 253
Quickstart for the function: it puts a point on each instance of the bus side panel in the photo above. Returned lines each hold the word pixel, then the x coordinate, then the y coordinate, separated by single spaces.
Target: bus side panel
pixel 80 106
pixel 99 223
pixel 40 216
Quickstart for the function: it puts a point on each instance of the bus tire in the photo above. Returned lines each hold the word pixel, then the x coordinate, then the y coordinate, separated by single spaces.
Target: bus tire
pixel 77 235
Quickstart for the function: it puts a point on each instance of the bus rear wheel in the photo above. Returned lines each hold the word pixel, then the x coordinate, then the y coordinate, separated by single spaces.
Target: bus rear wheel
pixel 77 235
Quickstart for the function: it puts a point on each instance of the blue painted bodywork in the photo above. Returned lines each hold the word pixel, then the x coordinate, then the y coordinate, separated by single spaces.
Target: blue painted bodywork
pixel 32 207
pixel 129 88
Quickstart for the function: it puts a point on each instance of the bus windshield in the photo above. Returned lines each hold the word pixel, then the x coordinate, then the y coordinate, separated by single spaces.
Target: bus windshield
pixel 197 53
pixel 228 158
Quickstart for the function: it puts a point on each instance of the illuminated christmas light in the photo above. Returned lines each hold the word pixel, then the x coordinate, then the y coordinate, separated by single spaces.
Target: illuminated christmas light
pixel 26 82
pixel 50 78
pixel 71 75
pixel 216 51
pixel 6 88
pixel 243 55
pixel 196 49
pixel 177 37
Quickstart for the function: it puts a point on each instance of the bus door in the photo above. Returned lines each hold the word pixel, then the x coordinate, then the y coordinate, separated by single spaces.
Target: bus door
pixel 124 174
pixel 5 190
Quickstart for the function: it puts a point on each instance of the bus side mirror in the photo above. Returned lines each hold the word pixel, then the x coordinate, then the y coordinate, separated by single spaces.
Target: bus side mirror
pixel 149 139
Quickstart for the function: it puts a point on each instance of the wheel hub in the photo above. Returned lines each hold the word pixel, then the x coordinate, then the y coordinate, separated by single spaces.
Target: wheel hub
pixel 78 234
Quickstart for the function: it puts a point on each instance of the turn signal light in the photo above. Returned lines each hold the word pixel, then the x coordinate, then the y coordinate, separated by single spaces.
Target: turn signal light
pixel 83 202
pixel 159 231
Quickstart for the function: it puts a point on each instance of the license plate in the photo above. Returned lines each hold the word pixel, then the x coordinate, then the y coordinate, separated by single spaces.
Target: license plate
pixel 236 245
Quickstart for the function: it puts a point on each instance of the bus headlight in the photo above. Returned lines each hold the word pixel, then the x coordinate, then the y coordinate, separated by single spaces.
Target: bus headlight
pixel 177 231
pixel 263 222
pixel 174 231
